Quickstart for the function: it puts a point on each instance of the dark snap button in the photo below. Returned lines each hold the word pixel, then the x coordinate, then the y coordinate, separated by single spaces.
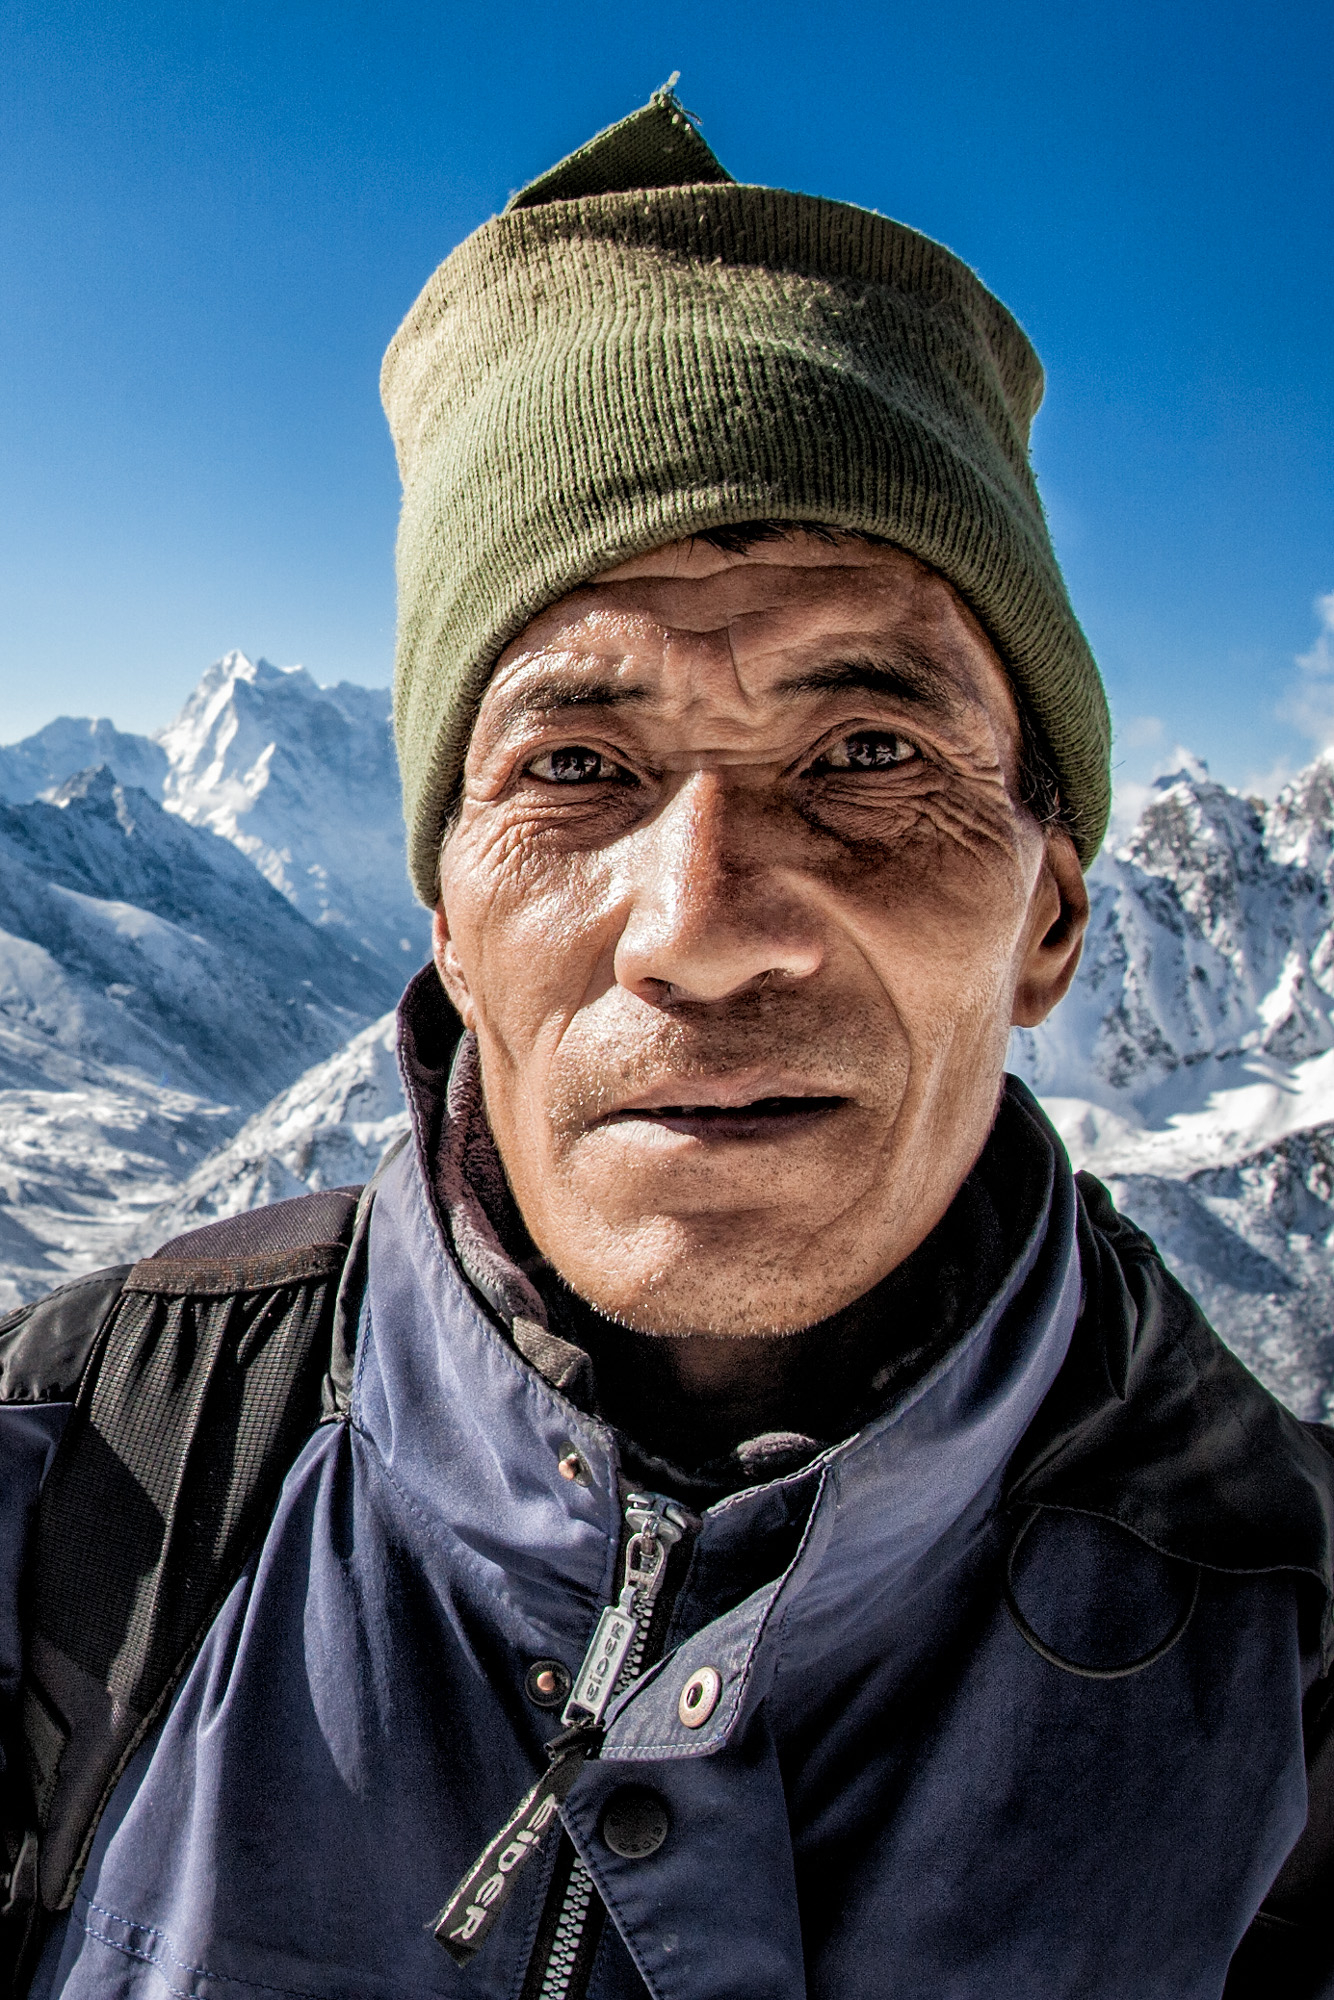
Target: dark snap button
pixel 547 1683
pixel 635 1822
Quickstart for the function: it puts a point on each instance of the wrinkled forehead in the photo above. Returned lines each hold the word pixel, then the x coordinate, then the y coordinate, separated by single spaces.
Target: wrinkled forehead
pixel 689 614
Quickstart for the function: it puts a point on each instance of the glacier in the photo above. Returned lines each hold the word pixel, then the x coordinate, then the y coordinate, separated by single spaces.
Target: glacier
pixel 203 932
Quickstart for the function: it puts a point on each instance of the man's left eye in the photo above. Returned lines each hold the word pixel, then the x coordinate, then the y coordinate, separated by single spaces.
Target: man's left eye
pixel 868 750
pixel 572 764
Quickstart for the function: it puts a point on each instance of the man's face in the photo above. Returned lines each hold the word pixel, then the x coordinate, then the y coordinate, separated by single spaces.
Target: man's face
pixel 741 907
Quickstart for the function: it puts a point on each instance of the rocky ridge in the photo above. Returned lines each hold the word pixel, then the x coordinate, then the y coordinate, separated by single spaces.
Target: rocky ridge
pixel 329 1129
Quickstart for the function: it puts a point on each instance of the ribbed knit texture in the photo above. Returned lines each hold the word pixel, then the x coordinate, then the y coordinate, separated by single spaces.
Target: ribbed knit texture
pixel 585 379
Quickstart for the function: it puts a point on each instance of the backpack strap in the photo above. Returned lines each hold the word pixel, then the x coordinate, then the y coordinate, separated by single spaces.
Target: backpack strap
pixel 204 1371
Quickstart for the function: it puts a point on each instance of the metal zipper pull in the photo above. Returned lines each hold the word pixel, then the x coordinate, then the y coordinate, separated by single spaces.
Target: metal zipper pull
pixel 612 1660
pixel 617 1645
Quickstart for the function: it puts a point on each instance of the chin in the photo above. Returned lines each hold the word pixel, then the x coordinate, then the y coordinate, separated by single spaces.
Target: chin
pixel 744 1285
pixel 694 1311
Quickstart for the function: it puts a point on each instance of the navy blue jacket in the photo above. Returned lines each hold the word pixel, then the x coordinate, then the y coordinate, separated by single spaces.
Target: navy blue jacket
pixel 897 1792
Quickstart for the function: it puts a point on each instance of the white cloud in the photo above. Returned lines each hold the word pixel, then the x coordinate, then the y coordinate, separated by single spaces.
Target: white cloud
pixel 1310 704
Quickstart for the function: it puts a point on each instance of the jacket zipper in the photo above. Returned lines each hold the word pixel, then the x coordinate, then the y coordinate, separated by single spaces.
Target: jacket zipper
pixel 615 1656
pixel 572 1922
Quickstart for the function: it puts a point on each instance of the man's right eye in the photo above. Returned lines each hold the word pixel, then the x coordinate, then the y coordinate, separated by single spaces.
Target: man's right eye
pixel 572 764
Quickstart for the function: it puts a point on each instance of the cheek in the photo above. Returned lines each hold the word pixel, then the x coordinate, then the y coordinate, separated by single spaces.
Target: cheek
pixel 531 930
pixel 940 924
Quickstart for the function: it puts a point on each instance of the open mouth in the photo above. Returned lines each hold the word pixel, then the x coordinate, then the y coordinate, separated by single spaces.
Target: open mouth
pixel 764 1117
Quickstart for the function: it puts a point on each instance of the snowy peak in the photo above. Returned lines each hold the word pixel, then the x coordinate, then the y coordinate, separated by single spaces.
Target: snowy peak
pixel 1209 958
pixel 155 946
pixel 1300 823
pixel 304 781
pixel 235 699
pixel 163 972
pixel 29 769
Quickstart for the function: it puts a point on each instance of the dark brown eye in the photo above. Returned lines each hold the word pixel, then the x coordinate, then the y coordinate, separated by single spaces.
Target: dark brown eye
pixel 572 764
pixel 869 750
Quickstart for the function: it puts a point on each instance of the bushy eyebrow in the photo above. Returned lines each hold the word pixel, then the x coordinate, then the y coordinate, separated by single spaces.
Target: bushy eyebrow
pixel 910 677
pixel 549 696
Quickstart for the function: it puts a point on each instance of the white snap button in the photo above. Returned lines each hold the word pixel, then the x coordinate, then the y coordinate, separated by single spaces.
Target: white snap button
pixel 699 1696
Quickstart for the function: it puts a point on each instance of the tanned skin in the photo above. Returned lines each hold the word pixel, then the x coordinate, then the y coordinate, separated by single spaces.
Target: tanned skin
pixel 741 903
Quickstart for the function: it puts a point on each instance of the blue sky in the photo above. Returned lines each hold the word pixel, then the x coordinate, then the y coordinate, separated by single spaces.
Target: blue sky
pixel 215 214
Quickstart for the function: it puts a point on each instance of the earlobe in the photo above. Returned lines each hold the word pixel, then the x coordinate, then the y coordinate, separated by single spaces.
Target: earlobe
pixel 1060 912
pixel 445 954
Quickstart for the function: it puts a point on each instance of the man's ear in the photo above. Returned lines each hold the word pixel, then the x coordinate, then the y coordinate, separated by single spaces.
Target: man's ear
pixel 1058 920
pixel 445 954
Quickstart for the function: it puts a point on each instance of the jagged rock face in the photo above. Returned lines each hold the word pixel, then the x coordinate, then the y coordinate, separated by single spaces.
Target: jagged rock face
pixel 1254 1242
pixel 1300 823
pixel 1210 944
pixel 329 1130
pixel 304 780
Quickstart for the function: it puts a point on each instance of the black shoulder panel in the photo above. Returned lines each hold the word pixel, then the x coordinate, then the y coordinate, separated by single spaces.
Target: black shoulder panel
pixel 194 1402
pixel 44 1347
pixel 261 1232
pixel 1153 1422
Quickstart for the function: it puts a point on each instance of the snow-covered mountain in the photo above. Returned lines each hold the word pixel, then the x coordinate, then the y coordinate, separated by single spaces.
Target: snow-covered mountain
pixel 329 1129
pixel 1254 1241
pixel 302 779
pixel 86 1150
pixel 187 923
pixel 1202 1021
pixel 30 769
pixel 142 942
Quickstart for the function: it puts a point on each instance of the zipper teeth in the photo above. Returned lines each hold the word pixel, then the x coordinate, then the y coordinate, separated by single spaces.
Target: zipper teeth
pixel 569 1934
pixel 634 1659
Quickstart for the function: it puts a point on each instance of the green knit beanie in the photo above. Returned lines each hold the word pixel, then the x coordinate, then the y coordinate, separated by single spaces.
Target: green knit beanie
pixel 640 349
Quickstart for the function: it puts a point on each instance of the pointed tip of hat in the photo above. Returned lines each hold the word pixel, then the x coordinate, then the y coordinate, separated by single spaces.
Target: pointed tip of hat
pixel 658 146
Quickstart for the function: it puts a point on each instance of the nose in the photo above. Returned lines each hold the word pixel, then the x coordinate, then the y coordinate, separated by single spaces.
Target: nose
pixel 711 909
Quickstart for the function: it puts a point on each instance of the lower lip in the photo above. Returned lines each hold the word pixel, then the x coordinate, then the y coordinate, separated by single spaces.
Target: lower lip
pixel 772 1118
